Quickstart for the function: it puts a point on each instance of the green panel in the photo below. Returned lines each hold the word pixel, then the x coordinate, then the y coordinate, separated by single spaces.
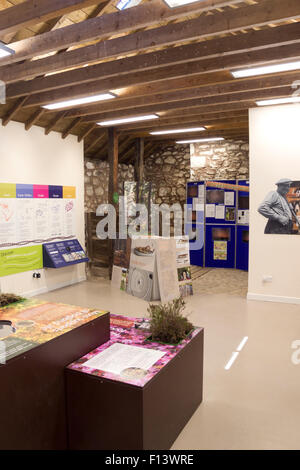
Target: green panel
pixel 7 190
pixel 18 260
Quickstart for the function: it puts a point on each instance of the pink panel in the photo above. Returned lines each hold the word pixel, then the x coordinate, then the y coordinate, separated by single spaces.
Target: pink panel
pixel 40 191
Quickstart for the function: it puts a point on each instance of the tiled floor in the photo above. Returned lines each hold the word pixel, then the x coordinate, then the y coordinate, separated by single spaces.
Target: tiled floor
pixel 253 405
pixel 220 281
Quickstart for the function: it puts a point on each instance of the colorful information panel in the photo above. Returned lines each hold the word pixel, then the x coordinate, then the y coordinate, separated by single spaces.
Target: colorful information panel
pixel 32 214
pixel 65 253
pixel 129 357
pixel 18 260
pixel 35 322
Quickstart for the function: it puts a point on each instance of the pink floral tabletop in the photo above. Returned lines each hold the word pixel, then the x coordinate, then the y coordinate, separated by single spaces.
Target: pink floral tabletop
pixel 123 330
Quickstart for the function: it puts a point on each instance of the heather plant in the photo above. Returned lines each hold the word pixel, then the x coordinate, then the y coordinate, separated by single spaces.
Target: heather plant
pixel 6 299
pixel 167 322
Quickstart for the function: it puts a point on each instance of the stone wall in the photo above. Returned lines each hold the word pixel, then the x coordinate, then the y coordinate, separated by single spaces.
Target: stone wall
pixel 228 159
pixel 169 168
pixel 96 182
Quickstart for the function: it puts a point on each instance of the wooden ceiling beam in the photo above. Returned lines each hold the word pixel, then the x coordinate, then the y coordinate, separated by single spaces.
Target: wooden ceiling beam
pixel 202 118
pixel 147 14
pixel 86 132
pixel 267 11
pixel 14 110
pixel 230 98
pixel 96 141
pixel 216 133
pixel 223 126
pixel 58 117
pixel 194 93
pixel 161 65
pixel 182 123
pixel 71 127
pixel 33 119
pixel 32 11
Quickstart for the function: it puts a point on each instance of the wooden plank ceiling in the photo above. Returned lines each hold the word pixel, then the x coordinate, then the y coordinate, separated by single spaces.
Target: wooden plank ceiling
pixel 176 63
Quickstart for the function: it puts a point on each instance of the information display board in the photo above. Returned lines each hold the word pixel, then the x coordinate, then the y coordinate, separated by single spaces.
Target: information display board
pixel 129 357
pixel 64 253
pixel 36 322
pixel 32 214
pixel 15 260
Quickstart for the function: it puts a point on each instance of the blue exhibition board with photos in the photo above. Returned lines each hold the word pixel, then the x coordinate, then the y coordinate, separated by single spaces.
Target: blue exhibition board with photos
pixel 218 223
pixel 64 253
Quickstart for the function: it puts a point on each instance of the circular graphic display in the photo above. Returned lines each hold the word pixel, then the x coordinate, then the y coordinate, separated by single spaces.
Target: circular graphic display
pixel 133 373
pixel 141 283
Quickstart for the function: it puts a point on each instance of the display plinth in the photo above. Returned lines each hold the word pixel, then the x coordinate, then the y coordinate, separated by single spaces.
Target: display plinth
pixel 32 392
pixel 110 412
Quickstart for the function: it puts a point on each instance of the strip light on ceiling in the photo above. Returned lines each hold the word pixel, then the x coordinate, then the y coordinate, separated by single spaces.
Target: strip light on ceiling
pixel 276 101
pixel 195 141
pixel 266 69
pixel 115 122
pixel 79 101
pixel 179 3
pixel 5 51
pixel 124 4
pixel 178 131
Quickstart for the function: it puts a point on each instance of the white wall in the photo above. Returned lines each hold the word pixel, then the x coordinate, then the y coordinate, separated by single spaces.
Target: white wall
pixel 274 154
pixel 33 158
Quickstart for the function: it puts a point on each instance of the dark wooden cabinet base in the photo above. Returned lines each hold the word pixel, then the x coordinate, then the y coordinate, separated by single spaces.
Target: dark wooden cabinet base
pixel 110 415
pixel 32 390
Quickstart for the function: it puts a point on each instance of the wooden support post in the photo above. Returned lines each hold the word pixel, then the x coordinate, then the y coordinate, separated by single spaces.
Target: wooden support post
pixel 139 160
pixel 113 160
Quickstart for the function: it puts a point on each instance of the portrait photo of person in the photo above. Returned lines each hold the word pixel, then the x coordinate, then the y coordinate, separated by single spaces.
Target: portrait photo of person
pixel 277 208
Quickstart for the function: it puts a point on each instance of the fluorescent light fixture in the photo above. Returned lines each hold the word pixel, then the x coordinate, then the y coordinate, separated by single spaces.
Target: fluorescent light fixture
pixel 291 100
pixel 266 69
pixel 5 51
pixel 242 344
pixel 123 4
pixel 194 141
pixel 231 360
pixel 178 131
pixel 78 101
pixel 115 122
pixel 179 3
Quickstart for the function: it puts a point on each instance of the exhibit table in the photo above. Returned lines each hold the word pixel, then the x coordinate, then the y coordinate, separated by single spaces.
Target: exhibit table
pixel 42 338
pixel 131 393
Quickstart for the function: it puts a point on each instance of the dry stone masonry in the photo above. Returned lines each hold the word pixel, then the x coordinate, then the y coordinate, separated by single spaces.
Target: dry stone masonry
pixel 169 169
pixel 228 159
pixel 96 182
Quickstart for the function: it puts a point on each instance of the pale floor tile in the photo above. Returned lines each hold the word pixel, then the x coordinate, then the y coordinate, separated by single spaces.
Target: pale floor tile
pixel 254 405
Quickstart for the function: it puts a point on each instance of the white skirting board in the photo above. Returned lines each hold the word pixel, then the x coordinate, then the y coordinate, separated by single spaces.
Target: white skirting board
pixel 273 298
pixel 44 290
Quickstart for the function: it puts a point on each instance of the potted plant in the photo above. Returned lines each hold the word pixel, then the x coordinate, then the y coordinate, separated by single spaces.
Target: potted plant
pixel 7 299
pixel 167 323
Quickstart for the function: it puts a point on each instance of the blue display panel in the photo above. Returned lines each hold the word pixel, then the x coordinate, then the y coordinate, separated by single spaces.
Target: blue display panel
pixel 242 247
pixel 195 221
pixel 220 246
pixel 220 203
pixel 64 253
pixel 196 235
pixel 243 204
pixel 195 202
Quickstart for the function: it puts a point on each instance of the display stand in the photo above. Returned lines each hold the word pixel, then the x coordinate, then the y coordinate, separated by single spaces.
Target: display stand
pixel 63 253
pixel 110 411
pixel 32 393
pixel 218 212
